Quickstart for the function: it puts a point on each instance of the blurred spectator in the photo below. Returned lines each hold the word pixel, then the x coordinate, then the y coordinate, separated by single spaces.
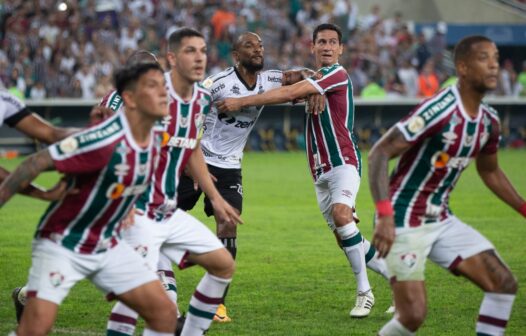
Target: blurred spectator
pixel 428 82
pixel 522 80
pixel 38 91
pixel 103 86
pixel 409 77
pixel 222 19
pixel 508 84
pixel 373 90
pixel 87 81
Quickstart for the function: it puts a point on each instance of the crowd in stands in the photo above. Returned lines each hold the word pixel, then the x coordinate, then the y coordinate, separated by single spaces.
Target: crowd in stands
pixel 70 49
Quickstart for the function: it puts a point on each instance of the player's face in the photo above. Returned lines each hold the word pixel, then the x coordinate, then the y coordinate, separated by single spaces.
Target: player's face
pixel 190 59
pixel 250 53
pixel 150 94
pixel 327 48
pixel 482 68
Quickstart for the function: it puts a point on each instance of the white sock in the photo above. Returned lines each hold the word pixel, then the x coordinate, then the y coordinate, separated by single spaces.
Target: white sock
pixel 395 328
pixel 122 320
pixel 167 279
pixel 353 247
pixel 150 332
pixel 203 304
pixel 372 260
pixel 494 313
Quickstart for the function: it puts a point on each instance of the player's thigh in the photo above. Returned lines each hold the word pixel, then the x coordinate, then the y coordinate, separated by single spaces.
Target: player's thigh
pixel 122 270
pixel 457 242
pixel 145 236
pixel 344 183
pixel 407 258
pixel 55 270
pixel 187 195
pixel 230 185
pixel 188 236
pixel 410 299
pixel 323 197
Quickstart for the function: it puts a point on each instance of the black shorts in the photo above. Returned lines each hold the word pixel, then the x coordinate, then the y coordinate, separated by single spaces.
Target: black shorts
pixel 229 184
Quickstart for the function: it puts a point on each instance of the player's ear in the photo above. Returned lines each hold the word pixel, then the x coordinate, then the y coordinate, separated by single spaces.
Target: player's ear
pixel 128 98
pixel 171 59
pixel 462 68
pixel 235 56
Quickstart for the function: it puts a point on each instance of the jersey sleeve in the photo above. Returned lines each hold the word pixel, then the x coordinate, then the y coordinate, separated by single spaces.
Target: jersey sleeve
pixel 112 100
pixel 12 110
pixel 329 79
pixel 492 145
pixel 273 78
pixel 426 119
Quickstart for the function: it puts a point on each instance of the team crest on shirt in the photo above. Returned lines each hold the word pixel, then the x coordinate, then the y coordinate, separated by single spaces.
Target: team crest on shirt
pixel 409 259
pixel 469 140
pixel 142 169
pixel 56 278
pixel 235 90
pixel 122 169
pixel 449 138
pixel 142 250
pixel 415 124
pixel 184 121
pixel 68 145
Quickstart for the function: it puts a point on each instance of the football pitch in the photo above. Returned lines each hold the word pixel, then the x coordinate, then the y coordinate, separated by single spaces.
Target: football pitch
pixel 291 278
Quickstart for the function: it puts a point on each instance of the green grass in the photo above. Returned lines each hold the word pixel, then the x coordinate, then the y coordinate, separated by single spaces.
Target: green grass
pixel 291 278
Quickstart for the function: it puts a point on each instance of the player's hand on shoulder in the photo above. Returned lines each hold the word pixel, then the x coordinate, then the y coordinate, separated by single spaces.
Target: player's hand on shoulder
pixel 229 105
pixel 98 114
pixel 384 235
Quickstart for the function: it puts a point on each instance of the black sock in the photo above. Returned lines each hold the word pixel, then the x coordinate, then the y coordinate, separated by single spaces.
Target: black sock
pixel 231 245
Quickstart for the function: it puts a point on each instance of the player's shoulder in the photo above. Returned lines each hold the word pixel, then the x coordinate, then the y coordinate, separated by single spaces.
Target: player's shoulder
pixel 490 110
pixel 336 67
pixel 439 103
pixel 219 77
pixel 272 76
pixel 11 101
pixel 112 100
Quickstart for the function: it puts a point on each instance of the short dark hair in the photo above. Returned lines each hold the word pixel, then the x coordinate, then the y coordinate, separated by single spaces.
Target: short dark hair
pixel 141 56
pixel 327 26
pixel 463 48
pixel 127 77
pixel 174 41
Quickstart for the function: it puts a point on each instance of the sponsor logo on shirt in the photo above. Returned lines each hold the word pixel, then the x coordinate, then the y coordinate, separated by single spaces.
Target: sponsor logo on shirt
pixel 437 107
pixel 442 160
pixel 235 90
pixel 274 79
pixel 449 138
pixel 99 133
pixel 217 89
pixel 118 190
pixel 181 142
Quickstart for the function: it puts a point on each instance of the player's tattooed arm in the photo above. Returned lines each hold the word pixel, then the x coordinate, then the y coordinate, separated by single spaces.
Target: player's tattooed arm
pixel 391 145
pixel 28 170
pixel 293 76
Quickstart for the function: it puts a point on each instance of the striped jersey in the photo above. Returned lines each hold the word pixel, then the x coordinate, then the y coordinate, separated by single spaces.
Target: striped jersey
pixel 329 137
pixel 111 171
pixel 445 139
pixel 181 132
pixel 12 109
pixel 225 135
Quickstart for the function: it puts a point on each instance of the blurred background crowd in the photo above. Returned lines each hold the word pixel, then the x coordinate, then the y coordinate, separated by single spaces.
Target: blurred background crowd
pixel 69 49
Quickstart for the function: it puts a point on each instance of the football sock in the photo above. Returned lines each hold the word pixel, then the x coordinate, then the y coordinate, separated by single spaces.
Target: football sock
pixel 167 278
pixel 372 260
pixel 149 332
pixel 122 321
pixel 353 247
pixel 494 313
pixel 203 304
pixel 231 245
pixel 395 328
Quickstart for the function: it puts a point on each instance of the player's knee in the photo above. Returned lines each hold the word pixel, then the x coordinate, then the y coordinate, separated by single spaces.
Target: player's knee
pixel 226 267
pixel 413 317
pixel 164 318
pixel 341 214
pixel 507 283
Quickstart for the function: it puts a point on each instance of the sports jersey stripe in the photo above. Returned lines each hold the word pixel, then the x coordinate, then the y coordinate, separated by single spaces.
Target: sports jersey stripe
pixel 321 146
pixel 93 210
pixel 176 153
pixel 222 74
pixel 435 177
pixel 310 143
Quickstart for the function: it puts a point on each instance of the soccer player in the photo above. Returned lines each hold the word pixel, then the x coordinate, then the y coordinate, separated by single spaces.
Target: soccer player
pixel 436 142
pixel 160 227
pixel 78 236
pixel 225 136
pixel 332 153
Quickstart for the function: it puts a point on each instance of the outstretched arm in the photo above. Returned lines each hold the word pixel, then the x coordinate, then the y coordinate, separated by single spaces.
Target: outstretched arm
pixel 391 145
pixel 276 96
pixel 35 191
pixel 199 171
pixel 495 179
pixel 24 174
pixel 36 127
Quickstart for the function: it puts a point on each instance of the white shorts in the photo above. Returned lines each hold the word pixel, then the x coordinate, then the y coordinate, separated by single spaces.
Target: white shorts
pixel 446 243
pixel 339 185
pixel 174 237
pixel 56 269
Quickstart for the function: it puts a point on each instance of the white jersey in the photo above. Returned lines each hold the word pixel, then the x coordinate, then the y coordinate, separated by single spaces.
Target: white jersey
pixel 12 110
pixel 225 135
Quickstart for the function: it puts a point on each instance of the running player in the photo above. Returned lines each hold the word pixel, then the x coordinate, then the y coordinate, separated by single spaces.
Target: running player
pixel 332 153
pixel 436 142
pixel 159 225
pixel 78 236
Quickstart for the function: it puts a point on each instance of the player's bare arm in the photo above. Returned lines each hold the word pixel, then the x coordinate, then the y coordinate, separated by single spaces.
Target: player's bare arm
pixel 497 181
pixel 24 174
pixel 36 127
pixel 222 210
pixel 276 96
pixel 391 145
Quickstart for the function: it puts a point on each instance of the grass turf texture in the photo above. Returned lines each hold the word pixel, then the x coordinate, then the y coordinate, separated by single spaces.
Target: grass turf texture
pixel 291 278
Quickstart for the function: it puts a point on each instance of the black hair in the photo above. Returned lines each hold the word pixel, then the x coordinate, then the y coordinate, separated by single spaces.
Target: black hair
pixel 463 48
pixel 174 41
pixel 128 76
pixel 141 56
pixel 327 26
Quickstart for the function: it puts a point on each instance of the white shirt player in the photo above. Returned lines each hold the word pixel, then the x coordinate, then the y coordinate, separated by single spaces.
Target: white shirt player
pixel 225 135
pixel 9 106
